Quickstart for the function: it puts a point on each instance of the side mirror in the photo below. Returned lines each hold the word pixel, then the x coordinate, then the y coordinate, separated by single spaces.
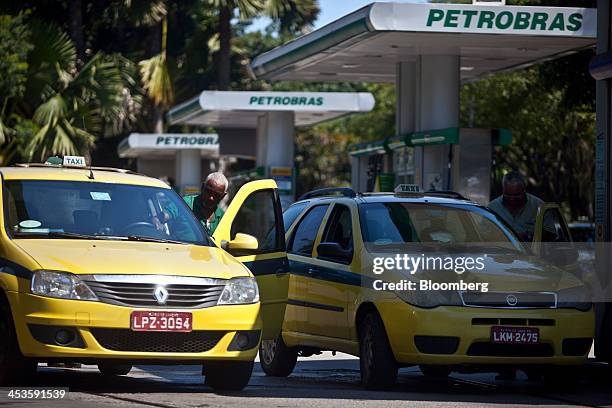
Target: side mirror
pixel 334 252
pixel 242 242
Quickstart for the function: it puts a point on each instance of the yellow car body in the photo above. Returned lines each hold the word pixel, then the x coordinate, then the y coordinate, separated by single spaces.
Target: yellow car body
pixel 102 327
pixel 328 300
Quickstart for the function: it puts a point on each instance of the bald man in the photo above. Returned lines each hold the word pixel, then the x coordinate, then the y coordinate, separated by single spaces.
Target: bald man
pixel 517 207
pixel 205 205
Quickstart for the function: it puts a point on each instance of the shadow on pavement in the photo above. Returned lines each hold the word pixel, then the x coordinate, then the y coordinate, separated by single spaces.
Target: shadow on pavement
pixel 337 380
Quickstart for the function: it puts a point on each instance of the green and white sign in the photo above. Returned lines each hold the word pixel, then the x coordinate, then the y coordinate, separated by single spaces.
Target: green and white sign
pixel 476 19
pixel 147 144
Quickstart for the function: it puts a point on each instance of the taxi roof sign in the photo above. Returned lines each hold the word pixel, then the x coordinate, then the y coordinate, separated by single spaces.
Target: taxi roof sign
pixel 407 188
pixel 74 161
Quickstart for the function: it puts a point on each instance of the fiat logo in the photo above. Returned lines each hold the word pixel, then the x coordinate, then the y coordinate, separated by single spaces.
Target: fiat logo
pixel 511 300
pixel 161 294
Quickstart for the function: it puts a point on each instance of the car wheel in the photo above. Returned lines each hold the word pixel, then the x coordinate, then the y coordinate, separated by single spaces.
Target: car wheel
pixel 378 366
pixel 227 375
pixel 276 359
pixel 114 368
pixel 15 369
pixel 435 371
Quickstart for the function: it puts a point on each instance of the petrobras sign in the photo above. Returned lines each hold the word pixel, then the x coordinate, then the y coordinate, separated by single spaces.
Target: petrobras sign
pixel 480 19
pixel 138 144
pixel 286 101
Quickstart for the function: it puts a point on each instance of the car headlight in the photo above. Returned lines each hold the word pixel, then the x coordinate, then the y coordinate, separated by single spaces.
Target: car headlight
pixel 61 285
pixel 239 291
pixel 574 298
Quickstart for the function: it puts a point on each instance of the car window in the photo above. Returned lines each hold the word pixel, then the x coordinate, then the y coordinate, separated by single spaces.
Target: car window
pixel 553 227
pixel 339 228
pixel 303 238
pixel 405 222
pixel 292 213
pixel 101 210
pixel 257 217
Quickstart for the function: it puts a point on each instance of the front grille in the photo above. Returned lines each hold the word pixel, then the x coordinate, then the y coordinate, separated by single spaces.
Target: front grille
pixel 510 300
pixel 157 342
pixel 510 350
pixel 143 294
pixel 492 321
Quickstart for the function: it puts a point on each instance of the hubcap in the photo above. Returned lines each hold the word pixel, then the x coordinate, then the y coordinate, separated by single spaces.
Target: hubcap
pixel 268 349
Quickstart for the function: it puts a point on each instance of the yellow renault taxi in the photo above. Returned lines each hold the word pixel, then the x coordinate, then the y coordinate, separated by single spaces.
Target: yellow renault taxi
pixel 108 267
pixel 497 303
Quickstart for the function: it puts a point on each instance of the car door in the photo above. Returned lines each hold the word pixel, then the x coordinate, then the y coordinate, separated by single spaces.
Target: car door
pixel 300 247
pixel 256 210
pixel 552 239
pixel 334 278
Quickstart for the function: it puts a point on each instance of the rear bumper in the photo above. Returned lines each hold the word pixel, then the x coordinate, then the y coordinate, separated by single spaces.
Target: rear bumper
pixel 103 332
pixel 452 335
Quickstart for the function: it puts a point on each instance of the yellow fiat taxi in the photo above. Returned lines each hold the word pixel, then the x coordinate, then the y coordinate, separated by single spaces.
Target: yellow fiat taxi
pixel 369 277
pixel 108 267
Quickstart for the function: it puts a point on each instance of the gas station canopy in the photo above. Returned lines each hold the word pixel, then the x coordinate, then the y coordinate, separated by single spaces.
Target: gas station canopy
pixel 366 46
pixel 242 109
pixel 168 144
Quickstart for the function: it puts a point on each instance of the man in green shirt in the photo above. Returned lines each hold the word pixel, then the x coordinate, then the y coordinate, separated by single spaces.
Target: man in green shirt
pixel 205 205
pixel 517 207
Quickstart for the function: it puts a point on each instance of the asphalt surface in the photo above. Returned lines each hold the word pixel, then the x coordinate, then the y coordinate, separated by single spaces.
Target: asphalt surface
pixel 323 381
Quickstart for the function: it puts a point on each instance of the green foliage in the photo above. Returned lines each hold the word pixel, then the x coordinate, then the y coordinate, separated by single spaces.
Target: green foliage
pixel 14 48
pixel 553 127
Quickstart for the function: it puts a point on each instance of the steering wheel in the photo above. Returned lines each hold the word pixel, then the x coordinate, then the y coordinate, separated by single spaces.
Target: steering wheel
pixel 139 224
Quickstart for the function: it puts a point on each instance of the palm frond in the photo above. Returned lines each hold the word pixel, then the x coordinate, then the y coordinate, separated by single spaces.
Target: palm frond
pixel 156 79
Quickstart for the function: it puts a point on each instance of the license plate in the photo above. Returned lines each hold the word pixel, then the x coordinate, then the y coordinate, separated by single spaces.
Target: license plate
pixel 161 321
pixel 515 335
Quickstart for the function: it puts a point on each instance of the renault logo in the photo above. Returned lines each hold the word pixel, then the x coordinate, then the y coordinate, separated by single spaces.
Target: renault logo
pixel 511 300
pixel 161 294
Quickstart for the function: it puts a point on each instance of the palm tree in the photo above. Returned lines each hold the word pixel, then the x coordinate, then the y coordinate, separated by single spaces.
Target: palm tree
pixel 69 106
pixel 157 81
pixel 291 15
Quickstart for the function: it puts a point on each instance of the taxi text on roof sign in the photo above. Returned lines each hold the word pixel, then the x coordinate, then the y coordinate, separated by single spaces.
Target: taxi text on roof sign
pixel 407 188
pixel 504 19
pixel 74 161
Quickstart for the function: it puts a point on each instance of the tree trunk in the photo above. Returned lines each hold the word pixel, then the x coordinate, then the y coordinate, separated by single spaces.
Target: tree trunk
pixel 76 28
pixel 225 39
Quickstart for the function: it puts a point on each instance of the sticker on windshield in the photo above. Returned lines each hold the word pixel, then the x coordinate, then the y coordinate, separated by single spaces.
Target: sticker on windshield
pixel 100 196
pixel 26 224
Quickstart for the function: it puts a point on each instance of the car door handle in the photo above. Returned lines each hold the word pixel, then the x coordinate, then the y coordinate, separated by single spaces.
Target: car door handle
pixel 312 271
pixel 281 271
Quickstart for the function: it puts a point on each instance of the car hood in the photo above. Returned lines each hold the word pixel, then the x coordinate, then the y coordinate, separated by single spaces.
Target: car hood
pixel 124 257
pixel 515 272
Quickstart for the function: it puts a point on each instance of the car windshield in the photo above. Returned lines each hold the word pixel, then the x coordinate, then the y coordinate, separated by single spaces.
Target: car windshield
pixel 86 210
pixel 461 226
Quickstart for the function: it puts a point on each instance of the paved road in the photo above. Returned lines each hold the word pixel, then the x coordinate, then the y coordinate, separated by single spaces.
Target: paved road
pixel 322 382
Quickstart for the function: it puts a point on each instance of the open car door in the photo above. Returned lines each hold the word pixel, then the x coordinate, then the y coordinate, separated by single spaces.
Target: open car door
pixel 255 210
pixel 552 239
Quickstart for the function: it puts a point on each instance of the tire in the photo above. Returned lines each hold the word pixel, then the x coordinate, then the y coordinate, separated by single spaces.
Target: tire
pixel 114 368
pixel 15 369
pixel 378 366
pixel 276 359
pixel 435 371
pixel 227 375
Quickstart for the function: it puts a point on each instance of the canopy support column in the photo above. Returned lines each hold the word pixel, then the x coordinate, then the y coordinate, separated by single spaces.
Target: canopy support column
pixel 188 169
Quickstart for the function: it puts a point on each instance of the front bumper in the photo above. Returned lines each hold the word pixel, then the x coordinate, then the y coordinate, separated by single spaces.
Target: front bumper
pixel 452 335
pixel 106 334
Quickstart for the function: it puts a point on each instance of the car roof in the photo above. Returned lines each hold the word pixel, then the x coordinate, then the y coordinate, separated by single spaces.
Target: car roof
pixel 366 198
pixel 101 175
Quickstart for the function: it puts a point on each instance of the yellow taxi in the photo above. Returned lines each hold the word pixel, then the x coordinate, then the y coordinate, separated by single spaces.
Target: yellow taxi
pixel 108 267
pixel 518 308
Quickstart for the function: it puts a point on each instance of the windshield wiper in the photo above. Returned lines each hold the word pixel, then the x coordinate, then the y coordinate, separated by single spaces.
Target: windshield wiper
pixel 55 234
pixel 151 239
